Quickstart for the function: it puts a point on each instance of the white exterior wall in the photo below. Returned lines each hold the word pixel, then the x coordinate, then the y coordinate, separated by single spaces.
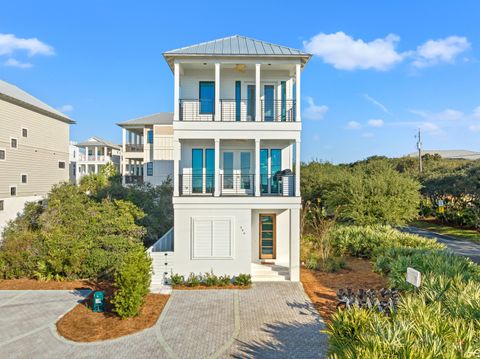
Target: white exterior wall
pixel 13 206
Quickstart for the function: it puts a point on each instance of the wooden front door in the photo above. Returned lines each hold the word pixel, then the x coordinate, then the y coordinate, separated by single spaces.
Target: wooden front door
pixel 268 236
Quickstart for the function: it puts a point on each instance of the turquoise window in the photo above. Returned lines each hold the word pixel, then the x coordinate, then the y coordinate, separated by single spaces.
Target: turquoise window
pixel 283 87
pixel 264 170
pixel 197 170
pixel 251 102
pixel 269 103
pixel 245 170
pixel 238 100
pixel 207 97
pixel 228 170
pixel 209 170
pixel 150 136
pixel 149 168
pixel 275 166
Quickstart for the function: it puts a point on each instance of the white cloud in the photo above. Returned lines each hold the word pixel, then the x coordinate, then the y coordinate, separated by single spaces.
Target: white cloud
pixel 474 128
pixel 313 111
pixel 9 44
pixel 476 113
pixel 444 50
pixel 15 63
pixel 66 108
pixel 346 53
pixel 353 125
pixel 376 123
pixel 445 115
pixel 377 103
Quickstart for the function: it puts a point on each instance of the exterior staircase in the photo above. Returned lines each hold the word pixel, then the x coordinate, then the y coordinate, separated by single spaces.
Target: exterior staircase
pixel 162 255
pixel 263 272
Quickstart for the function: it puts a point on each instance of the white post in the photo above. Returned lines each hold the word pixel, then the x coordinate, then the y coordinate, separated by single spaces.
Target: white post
pixel 257 167
pixel 105 153
pixel 176 92
pixel 217 168
pixel 96 153
pixel 258 108
pixel 124 139
pixel 297 168
pixel 218 114
pixel 295 244
pixel 176 167
pixel 298 100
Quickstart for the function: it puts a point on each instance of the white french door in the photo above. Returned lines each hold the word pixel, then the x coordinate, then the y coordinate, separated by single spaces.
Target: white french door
pixel 237 177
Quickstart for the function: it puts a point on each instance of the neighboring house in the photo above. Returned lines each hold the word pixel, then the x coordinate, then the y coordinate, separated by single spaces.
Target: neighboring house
pixel 73 151
pixel 236 156
pixel 450 154
pixel 34 149
pixel 95 153
pixel 148 149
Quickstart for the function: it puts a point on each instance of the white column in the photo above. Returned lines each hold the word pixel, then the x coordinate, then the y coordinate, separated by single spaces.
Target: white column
pixel 298 99
pixel 258 107
pixel 176 166
pixel 217 168
pixel 124 139
pixel 95 168
pixel 295 244
pixel 257 167
pixel 96 153
pixel 176 92
pixel 104 153
pixel 218 114
pixel 297 168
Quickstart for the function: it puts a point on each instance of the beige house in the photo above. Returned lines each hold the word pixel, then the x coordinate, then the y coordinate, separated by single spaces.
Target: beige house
pixel 34 149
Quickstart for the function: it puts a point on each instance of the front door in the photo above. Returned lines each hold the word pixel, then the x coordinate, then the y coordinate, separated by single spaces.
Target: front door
pixel 268 235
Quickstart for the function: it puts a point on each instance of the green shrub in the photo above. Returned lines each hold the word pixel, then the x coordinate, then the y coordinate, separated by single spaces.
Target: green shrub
pixel 224 280
pixel 369 241
pixel 132 283
pixel 311 262
pixel 193 280
pixel 210 279
pixel 332 264
pixel 177 279
pixel 242 280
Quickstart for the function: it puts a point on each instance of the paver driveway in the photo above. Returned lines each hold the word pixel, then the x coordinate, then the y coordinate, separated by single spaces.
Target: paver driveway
pixel 271 320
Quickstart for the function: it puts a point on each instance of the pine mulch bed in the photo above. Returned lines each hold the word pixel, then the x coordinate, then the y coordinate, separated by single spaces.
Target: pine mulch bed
pixel 33 284
pixel 322 287
pixel 81 324
pixel 204 287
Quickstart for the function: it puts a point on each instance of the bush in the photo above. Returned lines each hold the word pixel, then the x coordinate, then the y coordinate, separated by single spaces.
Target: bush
pixel 374 193
pixel 132 283
pixel 369 241
pixel 332 264
pixel 224 280
pixel 210 279
pixel 193 280
pixel 70 236
pixel 242 280
pixel 311 262
pixel 176 279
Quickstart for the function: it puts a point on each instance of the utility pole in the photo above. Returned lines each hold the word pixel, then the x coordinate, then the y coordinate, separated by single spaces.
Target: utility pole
pixel 419 147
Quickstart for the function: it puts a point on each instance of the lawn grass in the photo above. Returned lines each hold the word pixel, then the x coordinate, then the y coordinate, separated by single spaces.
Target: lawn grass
pixel 454 232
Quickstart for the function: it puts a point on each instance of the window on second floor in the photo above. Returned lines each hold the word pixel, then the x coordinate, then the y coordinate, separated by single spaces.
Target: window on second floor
pixel 61 164
pixel 13 191
pixel 150 137
pixel 149 168
pixel 2 205
pixel 13 142
pixel 2 154
pixel 24 132
pixel 24 178
pixel 207 97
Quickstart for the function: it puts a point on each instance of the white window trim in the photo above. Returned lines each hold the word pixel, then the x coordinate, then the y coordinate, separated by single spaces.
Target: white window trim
pixel 5 151
pixel 25 128
pixel 192 234
pixel 13 138
pixel 10 191
pixel 65 165
pixel 21 175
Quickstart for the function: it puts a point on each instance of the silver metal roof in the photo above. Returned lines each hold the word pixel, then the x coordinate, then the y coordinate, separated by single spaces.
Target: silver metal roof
pixel 97 141
pixel 161 118
pixel 15 95
pixel 237 45
pixel 451 154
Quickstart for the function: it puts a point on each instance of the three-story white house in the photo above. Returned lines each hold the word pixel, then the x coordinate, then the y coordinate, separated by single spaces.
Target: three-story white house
pixel 236 159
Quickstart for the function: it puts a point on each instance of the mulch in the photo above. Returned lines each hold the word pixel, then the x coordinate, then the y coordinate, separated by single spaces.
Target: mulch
pixel 322 287
pixel 33 284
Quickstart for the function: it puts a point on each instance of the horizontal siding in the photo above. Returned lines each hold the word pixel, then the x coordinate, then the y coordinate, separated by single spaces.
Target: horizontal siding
pixel 37 155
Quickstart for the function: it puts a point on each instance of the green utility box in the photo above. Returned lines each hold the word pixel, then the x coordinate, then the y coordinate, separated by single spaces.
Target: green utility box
pixel 98 301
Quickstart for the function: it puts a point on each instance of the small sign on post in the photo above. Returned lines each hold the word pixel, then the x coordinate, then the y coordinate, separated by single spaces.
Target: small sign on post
pixel 441 206
pixel 413 277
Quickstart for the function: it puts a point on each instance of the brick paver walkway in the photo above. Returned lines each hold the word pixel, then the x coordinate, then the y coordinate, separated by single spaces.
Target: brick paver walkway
pixel 271 320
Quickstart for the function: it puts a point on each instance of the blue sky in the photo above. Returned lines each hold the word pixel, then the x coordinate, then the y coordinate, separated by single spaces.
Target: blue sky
pixel 380 69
